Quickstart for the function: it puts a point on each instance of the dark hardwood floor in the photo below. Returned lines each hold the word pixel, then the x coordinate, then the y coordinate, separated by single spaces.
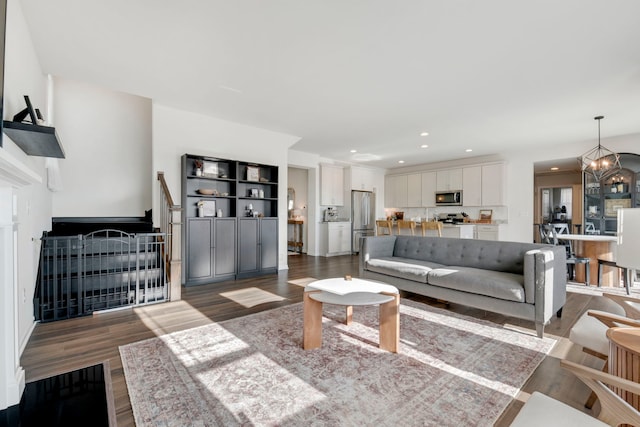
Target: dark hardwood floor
pixel 69 344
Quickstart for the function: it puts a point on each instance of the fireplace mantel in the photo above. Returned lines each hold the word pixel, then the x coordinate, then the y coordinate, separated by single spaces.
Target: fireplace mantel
pixel 13 175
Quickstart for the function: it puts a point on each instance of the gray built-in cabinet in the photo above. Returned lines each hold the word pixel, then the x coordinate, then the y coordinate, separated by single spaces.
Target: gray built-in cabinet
pixel 232 233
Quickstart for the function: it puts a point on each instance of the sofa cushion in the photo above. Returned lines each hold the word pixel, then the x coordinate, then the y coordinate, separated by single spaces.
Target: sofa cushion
pixel 405 268
pixel 507 286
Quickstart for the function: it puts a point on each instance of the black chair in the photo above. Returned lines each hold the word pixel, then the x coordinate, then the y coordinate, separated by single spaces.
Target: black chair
pixel 549 235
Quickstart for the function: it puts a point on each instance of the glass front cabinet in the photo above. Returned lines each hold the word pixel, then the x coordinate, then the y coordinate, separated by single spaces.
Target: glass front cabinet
pixel 602 199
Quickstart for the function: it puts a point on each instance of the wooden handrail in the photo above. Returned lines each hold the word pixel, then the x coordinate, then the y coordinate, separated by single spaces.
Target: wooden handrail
pixel 165 190
pixel 171 224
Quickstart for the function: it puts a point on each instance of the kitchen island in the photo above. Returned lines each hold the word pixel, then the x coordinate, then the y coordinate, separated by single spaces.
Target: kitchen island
pixel 458 231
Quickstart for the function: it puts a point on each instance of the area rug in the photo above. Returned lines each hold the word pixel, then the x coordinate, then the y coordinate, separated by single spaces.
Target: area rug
pixel 452 370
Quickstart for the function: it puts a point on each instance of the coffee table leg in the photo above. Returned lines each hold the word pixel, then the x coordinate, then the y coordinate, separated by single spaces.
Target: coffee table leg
pixel 390 324
pixel 312 329
pixel 349 315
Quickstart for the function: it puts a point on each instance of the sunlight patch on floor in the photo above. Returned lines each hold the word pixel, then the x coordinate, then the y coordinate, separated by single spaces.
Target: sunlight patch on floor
pixel 302 282
pixel 250 297
pixel 160 318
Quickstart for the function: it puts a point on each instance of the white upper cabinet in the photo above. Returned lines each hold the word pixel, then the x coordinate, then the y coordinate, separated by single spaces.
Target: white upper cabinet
pixel 362 178
pixel 395 191
pixel 429 189
pixel 449 179
pixel 472 186
pixel 493 185
pixel 414 190
pixel 331 185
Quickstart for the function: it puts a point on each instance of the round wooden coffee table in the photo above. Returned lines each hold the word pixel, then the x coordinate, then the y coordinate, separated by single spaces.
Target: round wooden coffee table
pixel 350 292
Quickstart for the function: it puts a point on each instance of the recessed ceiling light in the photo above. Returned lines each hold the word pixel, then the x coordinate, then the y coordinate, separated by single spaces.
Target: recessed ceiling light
pixel 424 134
pixel 555 168
pixel 424 146
pixel 354 151
pixel 400 161
pixel 468 150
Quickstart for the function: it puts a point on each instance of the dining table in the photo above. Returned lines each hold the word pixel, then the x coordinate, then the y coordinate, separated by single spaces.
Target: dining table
pixel 594 247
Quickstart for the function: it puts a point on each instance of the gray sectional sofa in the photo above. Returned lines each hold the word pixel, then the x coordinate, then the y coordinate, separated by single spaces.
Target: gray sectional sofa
pixel 522 280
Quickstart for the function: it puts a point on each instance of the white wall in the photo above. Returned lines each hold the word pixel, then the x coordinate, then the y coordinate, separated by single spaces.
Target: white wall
pixel 106 136
pixel 176 132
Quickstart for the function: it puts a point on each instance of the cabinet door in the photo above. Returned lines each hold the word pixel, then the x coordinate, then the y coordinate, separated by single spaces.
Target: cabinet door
pixel 199 249
pixel 472 186
pixel 331 185
pixel 362 178
pixel 451 232
pixel 487 232
pixel 493 185
pixel 333 239
pixel 395 191
pixel 268 243
pixel 224 253
pixel 414 190
pixel 248 250
pixel 449 179
pixel 345 238
pixel 429 189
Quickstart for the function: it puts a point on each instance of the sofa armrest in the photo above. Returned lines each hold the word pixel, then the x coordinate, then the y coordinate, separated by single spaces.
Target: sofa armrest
pixel 375 247
pixel 545 281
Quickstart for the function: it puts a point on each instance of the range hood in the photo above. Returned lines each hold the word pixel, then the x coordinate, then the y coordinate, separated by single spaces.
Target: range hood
pixel 35 140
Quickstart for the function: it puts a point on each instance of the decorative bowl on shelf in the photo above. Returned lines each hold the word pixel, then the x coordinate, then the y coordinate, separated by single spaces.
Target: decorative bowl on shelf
pixel 207 191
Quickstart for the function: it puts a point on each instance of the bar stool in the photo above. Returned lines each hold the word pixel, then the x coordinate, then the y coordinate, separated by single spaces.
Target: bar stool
pixel 431 225
pixel 384 227
pixel 625 279
pixel 406 225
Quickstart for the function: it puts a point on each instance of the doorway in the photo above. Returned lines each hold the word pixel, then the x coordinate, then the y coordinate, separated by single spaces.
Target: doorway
pixel 557 184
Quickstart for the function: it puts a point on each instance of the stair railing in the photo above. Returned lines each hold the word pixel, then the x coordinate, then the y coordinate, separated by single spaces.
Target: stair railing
pixel 170 224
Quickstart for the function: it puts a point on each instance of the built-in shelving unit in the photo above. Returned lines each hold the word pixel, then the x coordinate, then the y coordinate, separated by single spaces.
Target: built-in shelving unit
pixel 602 199
pixel 231 219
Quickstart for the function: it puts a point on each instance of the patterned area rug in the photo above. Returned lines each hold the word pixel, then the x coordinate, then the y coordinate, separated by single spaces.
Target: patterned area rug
pixel 452 370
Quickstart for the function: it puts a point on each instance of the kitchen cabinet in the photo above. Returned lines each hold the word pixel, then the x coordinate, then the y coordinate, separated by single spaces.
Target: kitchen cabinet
pixel 395 191
pixel 414 190
pixel 428 189
pixel 216 195
pixel 449 179
pixel 462 231
pixel 257 246
pixel 472 186
pixel 493 185
pixel 488 231
pixel 362 179
pixel 335 238
pixel 331 185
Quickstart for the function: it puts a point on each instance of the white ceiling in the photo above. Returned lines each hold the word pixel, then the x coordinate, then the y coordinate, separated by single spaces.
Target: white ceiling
pixel 368 75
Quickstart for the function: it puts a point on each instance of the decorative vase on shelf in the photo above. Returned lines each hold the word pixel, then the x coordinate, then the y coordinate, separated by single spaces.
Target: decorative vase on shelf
pixel 198 172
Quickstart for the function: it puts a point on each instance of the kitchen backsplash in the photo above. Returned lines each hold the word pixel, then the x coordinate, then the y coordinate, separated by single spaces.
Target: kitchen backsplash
pixel 499 214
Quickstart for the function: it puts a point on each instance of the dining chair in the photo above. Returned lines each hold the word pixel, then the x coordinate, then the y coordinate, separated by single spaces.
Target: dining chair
pixel 561 227
pixel 431 225
pixel 406 227
pixel 625 273
pixel 542 410
pixel 552 236
pixel 589 331
pixel 384 227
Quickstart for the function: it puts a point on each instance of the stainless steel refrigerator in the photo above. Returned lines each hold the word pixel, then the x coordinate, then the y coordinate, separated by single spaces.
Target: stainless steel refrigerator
pixel 363 217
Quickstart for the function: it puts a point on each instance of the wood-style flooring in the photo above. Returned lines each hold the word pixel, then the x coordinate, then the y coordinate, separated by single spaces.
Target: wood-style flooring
pixel 70 344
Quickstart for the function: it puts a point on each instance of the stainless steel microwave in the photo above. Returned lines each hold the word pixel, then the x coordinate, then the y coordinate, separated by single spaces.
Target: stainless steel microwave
pixel 449 198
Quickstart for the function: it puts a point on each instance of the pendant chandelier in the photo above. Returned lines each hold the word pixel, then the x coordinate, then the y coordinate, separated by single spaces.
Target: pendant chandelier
pixel 600 161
